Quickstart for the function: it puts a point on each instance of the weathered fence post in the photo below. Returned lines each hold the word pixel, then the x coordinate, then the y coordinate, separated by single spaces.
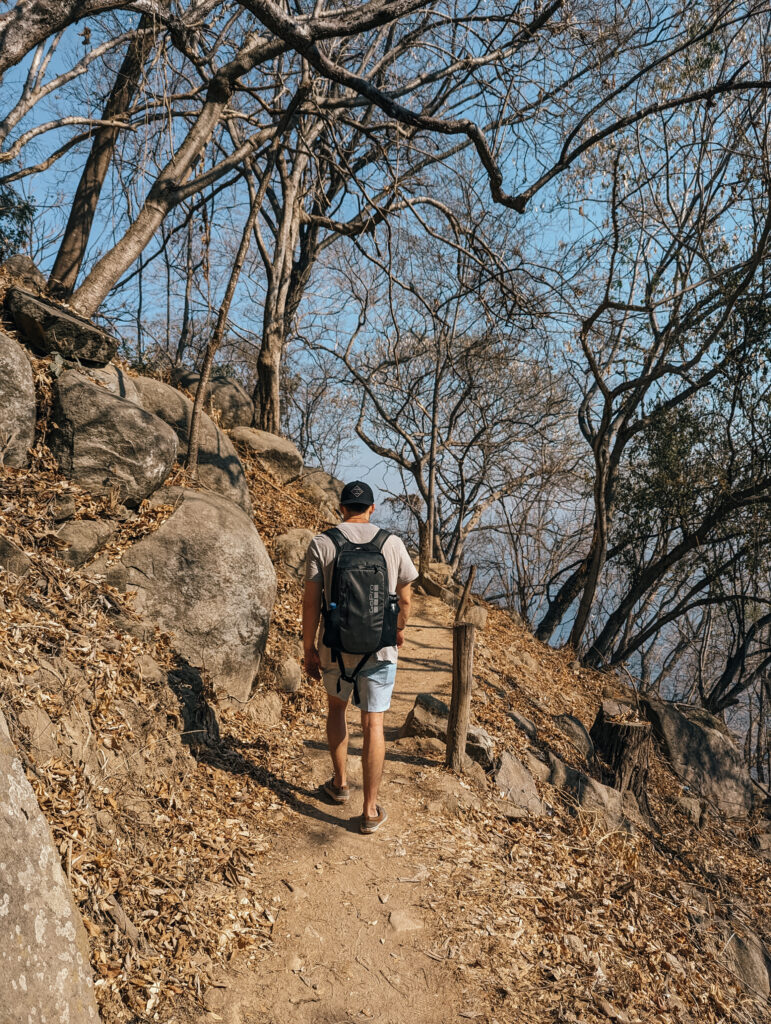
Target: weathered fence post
pixel 462 677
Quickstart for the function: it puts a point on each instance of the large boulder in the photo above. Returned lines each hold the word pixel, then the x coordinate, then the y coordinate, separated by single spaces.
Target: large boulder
pixel 290 549
pixel 23 272
pixel 17 404
pixel 219 467
pixel 322 489
pixel 106 443
pixel 115 380
pixel 47 327
pixel 280 454
pixel 226 395
pixel 704 758
pixel 205 577
pixel 429 717
pixel 44 957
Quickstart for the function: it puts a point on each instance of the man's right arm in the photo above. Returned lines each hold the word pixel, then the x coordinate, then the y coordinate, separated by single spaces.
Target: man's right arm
pixel 311 616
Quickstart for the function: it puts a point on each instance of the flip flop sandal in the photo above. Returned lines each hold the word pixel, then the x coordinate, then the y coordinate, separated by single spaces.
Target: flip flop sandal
pixel 338 794
pixel 370 825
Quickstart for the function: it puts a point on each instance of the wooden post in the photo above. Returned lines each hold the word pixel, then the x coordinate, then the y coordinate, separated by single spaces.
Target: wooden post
pixel 460 703
pixel 466 592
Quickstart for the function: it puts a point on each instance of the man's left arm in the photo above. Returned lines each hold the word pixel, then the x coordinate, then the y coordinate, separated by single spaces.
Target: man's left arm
pixel 404 593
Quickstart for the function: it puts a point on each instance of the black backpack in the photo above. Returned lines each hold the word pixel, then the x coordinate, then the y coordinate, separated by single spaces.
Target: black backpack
pixel 360 615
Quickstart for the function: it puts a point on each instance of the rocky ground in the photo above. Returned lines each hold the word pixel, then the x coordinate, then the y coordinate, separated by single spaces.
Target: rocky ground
pixel 213 881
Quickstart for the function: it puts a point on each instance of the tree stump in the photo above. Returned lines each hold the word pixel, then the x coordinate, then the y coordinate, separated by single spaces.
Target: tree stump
pixel 624 744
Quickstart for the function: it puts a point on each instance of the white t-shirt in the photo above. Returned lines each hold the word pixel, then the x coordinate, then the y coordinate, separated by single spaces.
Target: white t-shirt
pixel 318 569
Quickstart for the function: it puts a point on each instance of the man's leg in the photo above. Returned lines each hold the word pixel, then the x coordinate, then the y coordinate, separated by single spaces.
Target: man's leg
pixel 337 737
pixel 372 758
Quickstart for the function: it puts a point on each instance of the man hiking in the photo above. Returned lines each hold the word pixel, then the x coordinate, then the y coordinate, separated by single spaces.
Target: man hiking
pixel 359 579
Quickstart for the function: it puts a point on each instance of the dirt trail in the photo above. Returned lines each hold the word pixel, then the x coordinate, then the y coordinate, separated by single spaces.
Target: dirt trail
pixel 353 915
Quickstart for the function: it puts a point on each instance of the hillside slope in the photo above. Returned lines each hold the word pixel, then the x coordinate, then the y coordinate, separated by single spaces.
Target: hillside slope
pixel 215 884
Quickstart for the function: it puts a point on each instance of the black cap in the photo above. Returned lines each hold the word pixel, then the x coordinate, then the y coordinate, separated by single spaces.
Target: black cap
pixel 357 493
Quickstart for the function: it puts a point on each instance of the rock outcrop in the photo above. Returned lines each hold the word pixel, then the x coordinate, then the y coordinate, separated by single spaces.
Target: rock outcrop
pixel 429 717
pixel 280 454
pixel 291 548
pixel 577 733
pixel 115 380
pixel 108 444
pixel 704 758
pixel 44 957
pixel 83 537
pixel 517 785
pixel 17 404
pixel 205 577
pixel 219 467
pixel 48 328
pixel 23 272
pixel 589 795
pixel 226 395
pixel 323 489
pixel 12 558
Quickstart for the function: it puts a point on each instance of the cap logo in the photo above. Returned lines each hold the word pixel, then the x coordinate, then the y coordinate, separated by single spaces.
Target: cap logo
pixel 357 491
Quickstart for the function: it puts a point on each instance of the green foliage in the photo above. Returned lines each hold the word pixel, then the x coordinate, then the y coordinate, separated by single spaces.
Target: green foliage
pixel 16 216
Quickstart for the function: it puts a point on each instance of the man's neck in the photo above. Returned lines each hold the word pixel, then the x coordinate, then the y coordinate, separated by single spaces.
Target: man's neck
pixel 364 518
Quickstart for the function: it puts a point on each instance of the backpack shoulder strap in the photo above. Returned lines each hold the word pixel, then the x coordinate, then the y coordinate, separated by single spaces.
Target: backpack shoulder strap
pixel 379 539
pixel 337 537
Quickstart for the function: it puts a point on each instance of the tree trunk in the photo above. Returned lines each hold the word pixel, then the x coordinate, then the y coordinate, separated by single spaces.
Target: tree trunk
pixel 72 250
pixel 460 703
pixel 214 343
pixel 625 748
pixel 267 394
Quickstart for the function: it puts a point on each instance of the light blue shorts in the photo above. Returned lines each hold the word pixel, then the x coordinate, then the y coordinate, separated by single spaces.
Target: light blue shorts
pixel 376 684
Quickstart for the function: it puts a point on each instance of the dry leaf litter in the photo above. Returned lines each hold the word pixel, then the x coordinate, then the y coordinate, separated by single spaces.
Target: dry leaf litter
pixel 554 919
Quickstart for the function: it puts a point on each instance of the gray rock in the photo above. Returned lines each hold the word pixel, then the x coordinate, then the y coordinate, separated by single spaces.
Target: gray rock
pixel 289 676
pixel 12 558
pixel 525 724
pixel 537 767
pixel 45 973
pixel 591 796
pixel 762 843
pixel 219 467
pixel 115 381
pixel 24 273
pixel 149 668
pixel 517 785
pixel 265 708
pixel 47 327
pixel 41 733
pixel 703 758
pixel 108 444
pixel 321 488
pixel 205 577
pixel 475 615
pixel 429 717
pixel 17 404
pixel 84 537
pixel 279 453
pixel 401 921
pixel 290 550
pixel 226 395
pixel 691 808
pixel 577 733
pixel 747 958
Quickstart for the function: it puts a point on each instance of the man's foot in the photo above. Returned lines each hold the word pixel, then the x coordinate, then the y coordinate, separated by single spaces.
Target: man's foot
pixel 370 825
pixel 338 794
